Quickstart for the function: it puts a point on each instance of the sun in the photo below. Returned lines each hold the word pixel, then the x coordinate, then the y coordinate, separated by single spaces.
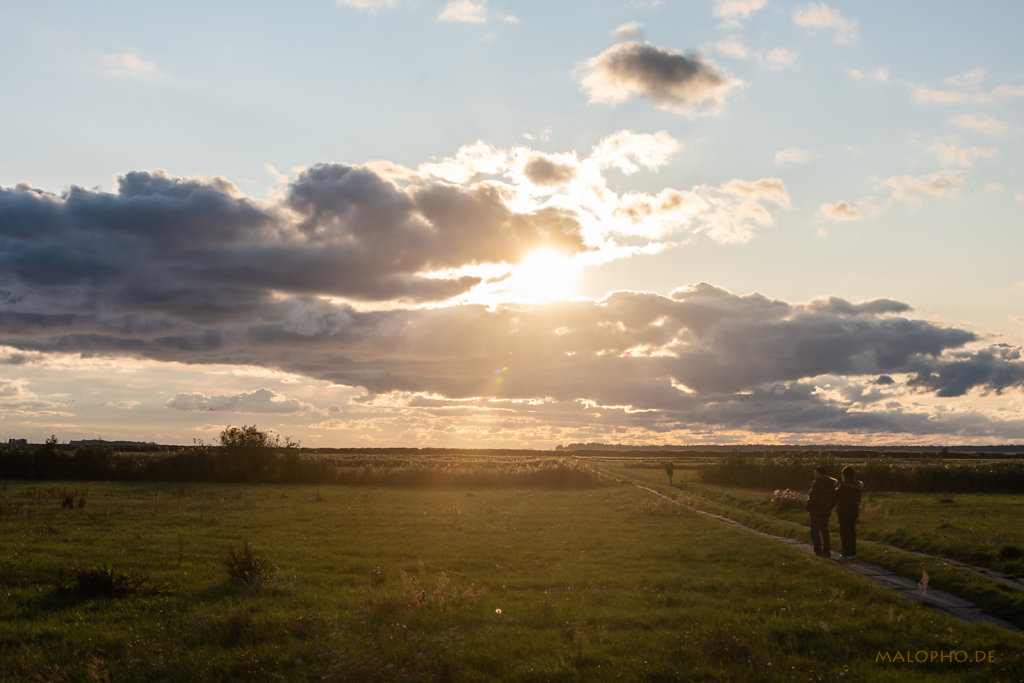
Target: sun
pixel 543 275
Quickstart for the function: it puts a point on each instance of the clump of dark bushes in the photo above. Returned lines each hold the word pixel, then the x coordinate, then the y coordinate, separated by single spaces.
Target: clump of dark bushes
pixel 99 582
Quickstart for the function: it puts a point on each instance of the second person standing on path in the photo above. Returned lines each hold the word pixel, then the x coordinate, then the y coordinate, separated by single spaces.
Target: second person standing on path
pixel 848 509
pixel 820 501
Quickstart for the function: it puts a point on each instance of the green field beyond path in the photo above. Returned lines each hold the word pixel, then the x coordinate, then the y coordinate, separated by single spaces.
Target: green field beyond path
pixel 371 583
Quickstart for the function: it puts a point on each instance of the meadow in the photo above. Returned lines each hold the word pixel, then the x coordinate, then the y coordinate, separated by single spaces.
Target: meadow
pixel 438 567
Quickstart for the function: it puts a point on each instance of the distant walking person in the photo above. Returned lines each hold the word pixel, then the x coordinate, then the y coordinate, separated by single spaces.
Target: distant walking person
pixel 669 469
pixel 820 501
pixel 848 509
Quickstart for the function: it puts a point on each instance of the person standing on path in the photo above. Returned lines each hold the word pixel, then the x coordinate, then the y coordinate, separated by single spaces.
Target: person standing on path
pixel 848 509
pixel 820 501
pixel 669 469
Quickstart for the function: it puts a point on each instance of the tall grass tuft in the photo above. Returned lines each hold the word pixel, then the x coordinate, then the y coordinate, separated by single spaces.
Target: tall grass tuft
pixel 246 568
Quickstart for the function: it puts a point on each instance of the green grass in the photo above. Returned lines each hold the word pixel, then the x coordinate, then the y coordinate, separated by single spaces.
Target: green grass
pixel 972 528
pixel 371 583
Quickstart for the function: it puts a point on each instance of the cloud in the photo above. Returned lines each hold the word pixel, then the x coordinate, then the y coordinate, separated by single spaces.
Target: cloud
pixel 259 401
pixel 633 30
pixel 951 154
pixel 126 65
pixel 793 155
pixel 471 12
pixel 994 369
pixel 967 80
pixel 734 10
pixel 628 151
pixel 912 189
pixel 881 74
pixel 543 171
pixel 371 5
pixel 165 254
pixel 982 123
pixel 681 83
pixel 775 59
pixel 967 89
pixel 819 16
pixel 840 211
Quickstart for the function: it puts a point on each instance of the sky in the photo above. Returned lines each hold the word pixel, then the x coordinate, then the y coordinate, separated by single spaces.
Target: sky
pixel 487 223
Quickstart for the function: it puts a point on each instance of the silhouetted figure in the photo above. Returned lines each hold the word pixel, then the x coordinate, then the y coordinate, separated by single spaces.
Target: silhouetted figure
pixel 669 469
pixel 820 501
pixel 847 510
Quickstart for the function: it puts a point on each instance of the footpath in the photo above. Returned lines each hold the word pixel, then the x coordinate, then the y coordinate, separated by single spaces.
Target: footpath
pixel 920 592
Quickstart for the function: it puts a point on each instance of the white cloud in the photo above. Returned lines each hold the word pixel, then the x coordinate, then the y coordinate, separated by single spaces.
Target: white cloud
pixel 472 12
pixel 967 80
pixel 634 30
pixel 371 5
pixel 793 155
pixel 982 123
pixel 734 47
pixel 628 151
pixel 734 10
pixel 820 16
pixel 840 211
pixel 967 88
pixel 951 154
pixel 912 189
pixel 881 74
pixel 465 11
pixel 777 58
pixel 126 65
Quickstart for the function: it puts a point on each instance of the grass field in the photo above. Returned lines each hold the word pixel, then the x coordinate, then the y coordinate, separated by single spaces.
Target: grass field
pixel 604 582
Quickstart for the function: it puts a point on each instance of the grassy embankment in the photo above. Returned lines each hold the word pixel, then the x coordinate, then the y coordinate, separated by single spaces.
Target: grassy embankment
pixel 432 583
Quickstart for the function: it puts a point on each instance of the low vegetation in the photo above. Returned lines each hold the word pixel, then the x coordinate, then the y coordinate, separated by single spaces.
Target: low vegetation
pixel 883 473
pixel 473 566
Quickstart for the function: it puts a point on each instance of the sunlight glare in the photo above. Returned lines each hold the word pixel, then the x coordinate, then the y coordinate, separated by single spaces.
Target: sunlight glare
pixel 543 275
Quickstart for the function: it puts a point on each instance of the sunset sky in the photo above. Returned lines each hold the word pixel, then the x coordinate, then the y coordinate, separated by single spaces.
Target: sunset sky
pixel 513 224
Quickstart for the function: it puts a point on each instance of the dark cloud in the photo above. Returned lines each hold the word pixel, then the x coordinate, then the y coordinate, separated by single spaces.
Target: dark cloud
pixel 683 83
pixel 702 357
pixel 540 170
pixel 198 249
pixel 995 369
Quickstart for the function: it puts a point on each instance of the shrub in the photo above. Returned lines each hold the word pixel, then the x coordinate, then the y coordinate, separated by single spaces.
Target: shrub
pixel 100 582
pixel 246 568
pixel 788 499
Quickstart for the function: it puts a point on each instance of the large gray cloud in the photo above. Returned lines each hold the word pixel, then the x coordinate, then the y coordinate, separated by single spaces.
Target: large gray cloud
pixel 197 248
pixel 191 271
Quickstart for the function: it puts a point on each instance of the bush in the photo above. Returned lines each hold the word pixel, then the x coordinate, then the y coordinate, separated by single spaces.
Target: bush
pixel 788 499
pixel 100 582
pixel 246 568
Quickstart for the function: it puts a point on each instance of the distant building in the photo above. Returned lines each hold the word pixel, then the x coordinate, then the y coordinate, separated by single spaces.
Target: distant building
pixel 17 442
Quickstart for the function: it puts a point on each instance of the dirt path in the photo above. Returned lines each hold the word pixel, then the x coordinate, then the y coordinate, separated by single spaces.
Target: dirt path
pixel 941 601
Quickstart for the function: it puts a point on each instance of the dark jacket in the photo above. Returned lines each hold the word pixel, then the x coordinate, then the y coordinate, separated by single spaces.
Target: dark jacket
pixel 822 497
pixel 848 497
